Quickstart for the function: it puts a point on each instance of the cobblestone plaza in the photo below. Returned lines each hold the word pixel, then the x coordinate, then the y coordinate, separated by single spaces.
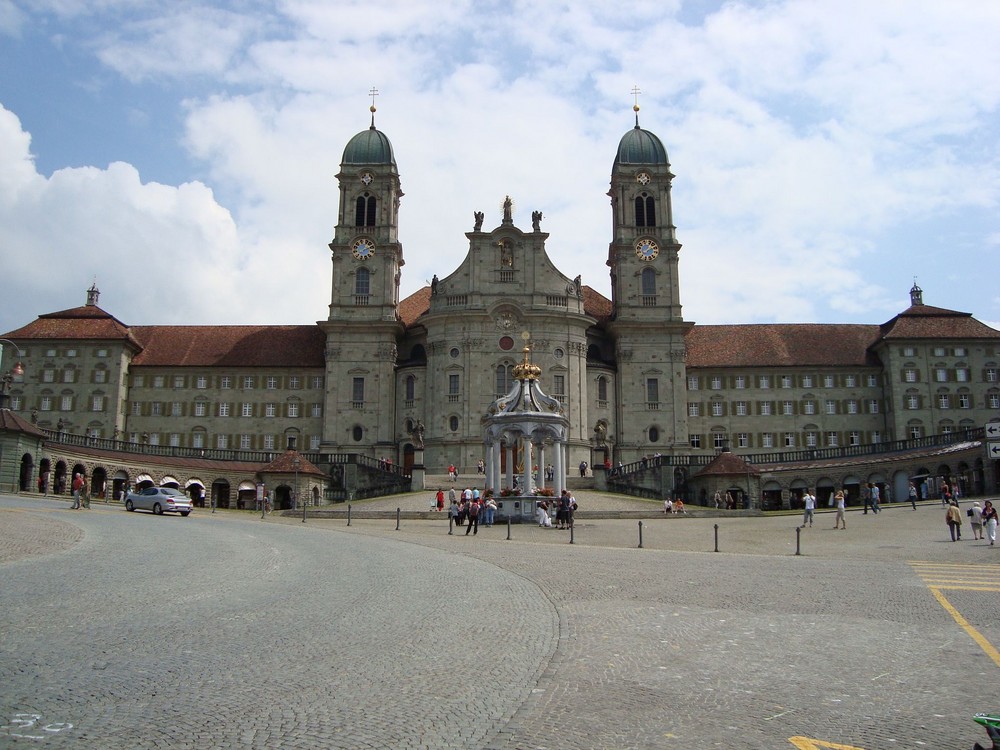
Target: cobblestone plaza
pixel 125 630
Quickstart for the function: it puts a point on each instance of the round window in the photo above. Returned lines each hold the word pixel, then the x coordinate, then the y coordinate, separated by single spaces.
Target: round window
pixel 506 343
pixel 358 434
pixel 454 352
pixel 558 353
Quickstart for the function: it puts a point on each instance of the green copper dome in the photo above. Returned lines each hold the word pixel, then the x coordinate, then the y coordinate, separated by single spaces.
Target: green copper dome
pixel 639 146
pixel 369 147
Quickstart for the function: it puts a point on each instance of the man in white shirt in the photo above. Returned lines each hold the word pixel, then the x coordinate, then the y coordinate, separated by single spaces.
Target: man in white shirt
pixel 810 507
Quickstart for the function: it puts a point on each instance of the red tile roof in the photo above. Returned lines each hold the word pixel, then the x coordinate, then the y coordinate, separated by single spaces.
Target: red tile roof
pixel 13 422
pixel 728 464
pixel 84 322
pixel 927 322
pixel 596 304
pixel 781 345
pixel 230 346
pixel 285 464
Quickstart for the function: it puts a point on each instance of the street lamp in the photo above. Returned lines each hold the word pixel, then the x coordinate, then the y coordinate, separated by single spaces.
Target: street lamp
pixel 296 463
pixel 8 377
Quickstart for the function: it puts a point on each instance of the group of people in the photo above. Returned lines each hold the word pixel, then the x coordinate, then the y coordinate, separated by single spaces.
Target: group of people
pixel 980 519
pixel 565 507
pixel 673 507
pixel 469 510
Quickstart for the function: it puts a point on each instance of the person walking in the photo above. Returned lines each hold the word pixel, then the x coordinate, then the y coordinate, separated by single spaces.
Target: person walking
pixel 976 520
pixel 874 491
pixel 439 499
pixel 990 521
pixel 841 506
pixel 473 510
pixel 809 500
pixel 490 508
pixel 77 489
pixel 953 518
pixel 913 495
pixel 866 495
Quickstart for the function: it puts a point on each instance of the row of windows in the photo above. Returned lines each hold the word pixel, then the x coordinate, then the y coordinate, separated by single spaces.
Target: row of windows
pixel 222 409
pixel 950 401
pixel 246 382
pixel 200 439
pixel 950 375
pixel 70 374
pixel 72 352
pixel 740 382
pixel 937 351
pixel 807 439
pixel 768 408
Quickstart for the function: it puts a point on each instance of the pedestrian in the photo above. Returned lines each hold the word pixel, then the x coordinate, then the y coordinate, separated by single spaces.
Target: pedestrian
pixel 439 499
pixel 913 495
pixel 718 499
pixel 452 472
pixel 976 520
pixel 542 514
pixel 473 510
pixel 571 511
pixel 874 491
pixel 866 495
pixel 809 500
pixel 77 489
pixel 490 507
pixel 954 520
pixel 583 468
pixel 841 506
pixel 990 521
pixel 481 467
pixel 668 506
pixel 453 511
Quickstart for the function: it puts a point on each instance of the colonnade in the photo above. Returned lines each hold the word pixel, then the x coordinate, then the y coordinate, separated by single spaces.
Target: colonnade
pixel 498 479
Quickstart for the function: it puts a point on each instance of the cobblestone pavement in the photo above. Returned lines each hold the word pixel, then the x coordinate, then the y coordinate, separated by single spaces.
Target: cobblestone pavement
pixel 227 631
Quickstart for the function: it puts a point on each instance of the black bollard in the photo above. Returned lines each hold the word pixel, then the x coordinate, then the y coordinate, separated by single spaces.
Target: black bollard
pixel 798 533
pixel 508 528
pixel 451 521
pixel 304 512
pixel 716 537
pixel 348 514
pixel 640 534
pixel 571 536
pixel 397 519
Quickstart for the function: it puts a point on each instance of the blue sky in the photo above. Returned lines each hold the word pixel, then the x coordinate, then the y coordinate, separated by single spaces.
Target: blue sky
pixel 183 154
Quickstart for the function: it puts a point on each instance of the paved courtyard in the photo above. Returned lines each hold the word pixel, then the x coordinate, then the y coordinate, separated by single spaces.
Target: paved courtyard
pixel 125 630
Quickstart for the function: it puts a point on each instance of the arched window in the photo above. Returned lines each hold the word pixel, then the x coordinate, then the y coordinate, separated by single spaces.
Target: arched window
pixel 362 282
pixel 411 383
pixel 654 434
pixel 453 424
pixel 648 282
pixel 645 211
pixel 505 375
pixel 364 211
pixel 357 433
pixel 602 388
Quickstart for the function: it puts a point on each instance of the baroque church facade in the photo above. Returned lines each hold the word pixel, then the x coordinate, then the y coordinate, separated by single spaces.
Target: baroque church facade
pixel 386 377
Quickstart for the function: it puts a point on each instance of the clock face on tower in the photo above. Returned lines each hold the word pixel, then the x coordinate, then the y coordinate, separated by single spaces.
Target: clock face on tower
pixel 642 178
pixel 366 178
pixel 646 249
pixel 363 249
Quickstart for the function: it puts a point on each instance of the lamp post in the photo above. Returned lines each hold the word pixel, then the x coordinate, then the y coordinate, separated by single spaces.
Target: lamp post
pixel 296 464
pixel 8 377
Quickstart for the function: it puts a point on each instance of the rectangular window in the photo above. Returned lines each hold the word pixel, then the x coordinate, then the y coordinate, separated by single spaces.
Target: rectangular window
pixel 828 381
pixel 765 408
pixel 559 387
pixel 807 381
pixel 913 402
pixel 652 391
pixel 158 381
pixel 178 381
pixel 317 410
pixel 716 383
pixel 719 440
pixel 314 442
pixel 156 408
pixel 742 440
pixel 97 403
pixel 199 408
pixel 909 376
pixel 270 410
pixel 246 409
pixel 247 382
pixel 100 376
pixel 225 382
pixel 175 440
pixel 873 406
pixel 154 438
pixel 136 409
pixel 246 442
pixel 101 353
pixel 941 375
pixel 741 408
pixel 943 401
pixel 741 382
pixel 294 382
pixel 876 436
pixel 317 382
pixel 994 400
pixel 850 381
pixel 786 381
pixel 692 382
pixel 939 351
pixel 453 383
pixel 66 403
pixel 946 429
pixel 811 439
pixel 223 409
pixel 959 351
pixel 991 375
pixel 909 351
pixel 201 382
pixel 854 437
pixel 873 381
pixel 962 375
pixel 694 441
pixel 852 406
pixel 789 439
pixel 46 403
pixel 71 352
pixel 716 408
pixel 764 381
pixel 269 442
pixel 15 403
pixel 358 392
pixel 831 406
pixel 271 382
pixel 48 376
pixel 222 441
pixel 197 440
pixel 964 401
pixel 694 410
pixel 69 375
pixel 787 408
pixel 293 409
pixel 832 439
pixel 767 440
pixel 915 432
pixel 808 407
pixel 176 409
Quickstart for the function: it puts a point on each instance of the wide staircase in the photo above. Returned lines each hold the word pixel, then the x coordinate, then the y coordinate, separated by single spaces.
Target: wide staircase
pixel 472 479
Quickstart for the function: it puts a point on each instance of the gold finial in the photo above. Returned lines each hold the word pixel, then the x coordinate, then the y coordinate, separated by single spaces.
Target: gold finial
pixel 635 93
pixel 526 370
pixel 373 93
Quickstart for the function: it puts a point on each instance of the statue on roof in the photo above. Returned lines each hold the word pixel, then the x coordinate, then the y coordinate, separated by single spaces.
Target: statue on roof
pixel 508 209
pixel 479 221
pixel 536 220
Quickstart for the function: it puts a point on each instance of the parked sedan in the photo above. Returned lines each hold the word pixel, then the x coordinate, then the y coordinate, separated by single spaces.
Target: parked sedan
pixel 160 500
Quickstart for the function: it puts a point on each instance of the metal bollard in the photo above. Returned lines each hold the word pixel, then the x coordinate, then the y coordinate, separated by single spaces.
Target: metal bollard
pixel 571 536
pixel 397 519
pixel 716 537
pixel 508 528
pixel 451 521
pixel 304 512
pixel 798 533
pixel 348 514
pixel 640 534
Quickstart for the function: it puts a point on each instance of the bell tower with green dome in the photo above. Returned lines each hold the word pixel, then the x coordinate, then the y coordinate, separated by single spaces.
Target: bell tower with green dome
pixel 646 324
pixel 363 325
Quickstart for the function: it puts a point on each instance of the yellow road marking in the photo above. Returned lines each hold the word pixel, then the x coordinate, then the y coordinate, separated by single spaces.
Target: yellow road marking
pixel 807 743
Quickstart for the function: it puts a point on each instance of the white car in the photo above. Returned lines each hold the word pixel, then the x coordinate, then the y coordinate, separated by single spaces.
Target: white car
pixel 160 500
